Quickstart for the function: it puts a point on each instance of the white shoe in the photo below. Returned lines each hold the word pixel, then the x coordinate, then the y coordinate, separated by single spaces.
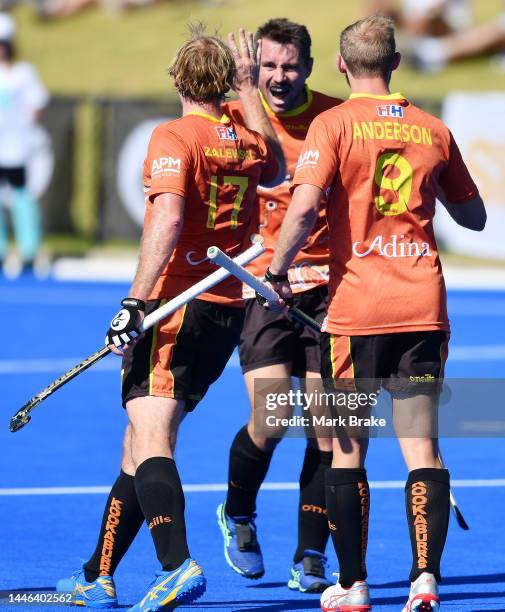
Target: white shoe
pixel 354 599
pixel 423 595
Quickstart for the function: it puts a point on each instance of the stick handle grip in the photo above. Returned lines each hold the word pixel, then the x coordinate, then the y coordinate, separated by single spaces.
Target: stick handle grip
pixel 221 259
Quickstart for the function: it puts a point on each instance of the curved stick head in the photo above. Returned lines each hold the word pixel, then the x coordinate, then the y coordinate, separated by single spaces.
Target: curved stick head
pixel 18 421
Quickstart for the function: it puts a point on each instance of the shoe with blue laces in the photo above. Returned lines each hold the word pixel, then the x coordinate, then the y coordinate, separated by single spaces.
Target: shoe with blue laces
pixel 171 589
pixel 241 549
pixel 101 593
pixel 308 575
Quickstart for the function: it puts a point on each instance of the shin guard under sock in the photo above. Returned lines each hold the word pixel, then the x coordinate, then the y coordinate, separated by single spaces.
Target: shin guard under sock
pixel 348 505
pixel 121 522
pixel 427 504
pixel 313 529
pixel 161 498
pixel 248 466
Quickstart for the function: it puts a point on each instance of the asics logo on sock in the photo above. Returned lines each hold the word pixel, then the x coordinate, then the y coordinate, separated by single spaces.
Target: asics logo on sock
pixel 109 538
pixel 159 520
pixel 419 500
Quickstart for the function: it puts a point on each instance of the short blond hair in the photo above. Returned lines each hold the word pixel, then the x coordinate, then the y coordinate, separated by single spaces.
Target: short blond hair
pixel 368 46
pixel 203 69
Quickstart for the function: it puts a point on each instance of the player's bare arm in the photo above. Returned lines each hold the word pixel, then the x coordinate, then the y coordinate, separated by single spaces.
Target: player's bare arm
pixel 471 214
pixel 247 63
pixel 296 226
pixel 158 243
pixel 159 238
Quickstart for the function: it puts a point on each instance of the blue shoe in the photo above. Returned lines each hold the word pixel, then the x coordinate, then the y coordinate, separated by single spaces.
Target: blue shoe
pixel 101 593
pixel 171 589
pixel 241 549
pixel 308 575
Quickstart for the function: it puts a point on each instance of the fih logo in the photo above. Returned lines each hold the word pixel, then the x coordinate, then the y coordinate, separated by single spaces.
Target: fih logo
pixel 226 133
pixel 390 110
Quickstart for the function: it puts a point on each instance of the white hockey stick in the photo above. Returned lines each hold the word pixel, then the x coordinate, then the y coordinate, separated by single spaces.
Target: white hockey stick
pixel 22 416
pixel 221 259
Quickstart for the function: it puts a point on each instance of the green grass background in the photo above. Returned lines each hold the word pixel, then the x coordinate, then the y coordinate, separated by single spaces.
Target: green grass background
pixel 98 53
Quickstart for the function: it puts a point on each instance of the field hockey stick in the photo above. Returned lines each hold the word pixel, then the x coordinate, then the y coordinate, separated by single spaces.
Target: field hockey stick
pixel 454 504
pixel 221 259
pixel 22 416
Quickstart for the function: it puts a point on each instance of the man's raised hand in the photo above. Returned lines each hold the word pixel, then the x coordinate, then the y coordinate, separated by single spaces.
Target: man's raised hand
pixel 247 60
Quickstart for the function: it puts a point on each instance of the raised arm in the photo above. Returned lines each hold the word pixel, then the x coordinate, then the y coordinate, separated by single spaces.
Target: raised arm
pixel 247 64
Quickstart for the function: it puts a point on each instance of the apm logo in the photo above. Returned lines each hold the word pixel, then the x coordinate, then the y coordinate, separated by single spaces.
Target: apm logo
pixel 166 164
pixel 390 110
pixel 308 158
pixel 226 133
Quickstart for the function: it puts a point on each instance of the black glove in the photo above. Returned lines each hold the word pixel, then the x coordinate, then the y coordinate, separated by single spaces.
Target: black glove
pixel 123 326
pixel 273 279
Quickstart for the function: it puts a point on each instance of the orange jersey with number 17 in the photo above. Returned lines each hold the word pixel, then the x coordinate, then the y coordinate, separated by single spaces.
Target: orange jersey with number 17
pixel 310 267
pixel 381 160
pixel 216 166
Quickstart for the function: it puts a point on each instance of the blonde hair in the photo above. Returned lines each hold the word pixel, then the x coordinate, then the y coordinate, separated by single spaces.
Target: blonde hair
pixel 368 46
pixel 203 69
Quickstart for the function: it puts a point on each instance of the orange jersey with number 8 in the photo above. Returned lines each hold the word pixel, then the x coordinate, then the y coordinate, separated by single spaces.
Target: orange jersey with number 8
pixel 381 161
pixel 216 166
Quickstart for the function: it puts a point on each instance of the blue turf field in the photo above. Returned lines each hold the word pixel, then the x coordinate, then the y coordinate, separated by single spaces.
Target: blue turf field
pixel 74 440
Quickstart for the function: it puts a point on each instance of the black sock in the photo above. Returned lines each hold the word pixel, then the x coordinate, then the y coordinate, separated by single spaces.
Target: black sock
pixel 248 466
pixel 121 522
pixel 313 529
pixel 161 498
pixel 348 505
pixel 427 504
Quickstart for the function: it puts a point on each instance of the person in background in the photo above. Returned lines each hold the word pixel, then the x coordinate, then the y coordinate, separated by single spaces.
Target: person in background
pixel 22 98
pixel 440 32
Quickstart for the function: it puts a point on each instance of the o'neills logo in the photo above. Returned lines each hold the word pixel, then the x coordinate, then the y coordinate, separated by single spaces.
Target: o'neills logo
pixel 419 501
pixel 364 497
pixel 396 247
pixel 159 520
pixel 110 536
pixel 314 508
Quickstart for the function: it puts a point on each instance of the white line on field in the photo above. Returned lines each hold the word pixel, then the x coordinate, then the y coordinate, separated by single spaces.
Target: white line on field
pixel 219 487
pixel 485 352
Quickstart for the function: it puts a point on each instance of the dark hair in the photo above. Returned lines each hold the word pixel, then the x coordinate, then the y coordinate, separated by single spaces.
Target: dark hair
pixel 8 50
pixel 287 32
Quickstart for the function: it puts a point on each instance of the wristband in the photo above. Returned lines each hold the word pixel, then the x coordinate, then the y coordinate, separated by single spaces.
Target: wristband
pixel 275 278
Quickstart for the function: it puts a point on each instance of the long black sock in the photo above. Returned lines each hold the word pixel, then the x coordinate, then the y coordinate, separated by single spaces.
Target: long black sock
pixel 121 522
pixel 313 532
pixel 427 504
pixel 248 466
pixel 161 498
pixel 348 505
